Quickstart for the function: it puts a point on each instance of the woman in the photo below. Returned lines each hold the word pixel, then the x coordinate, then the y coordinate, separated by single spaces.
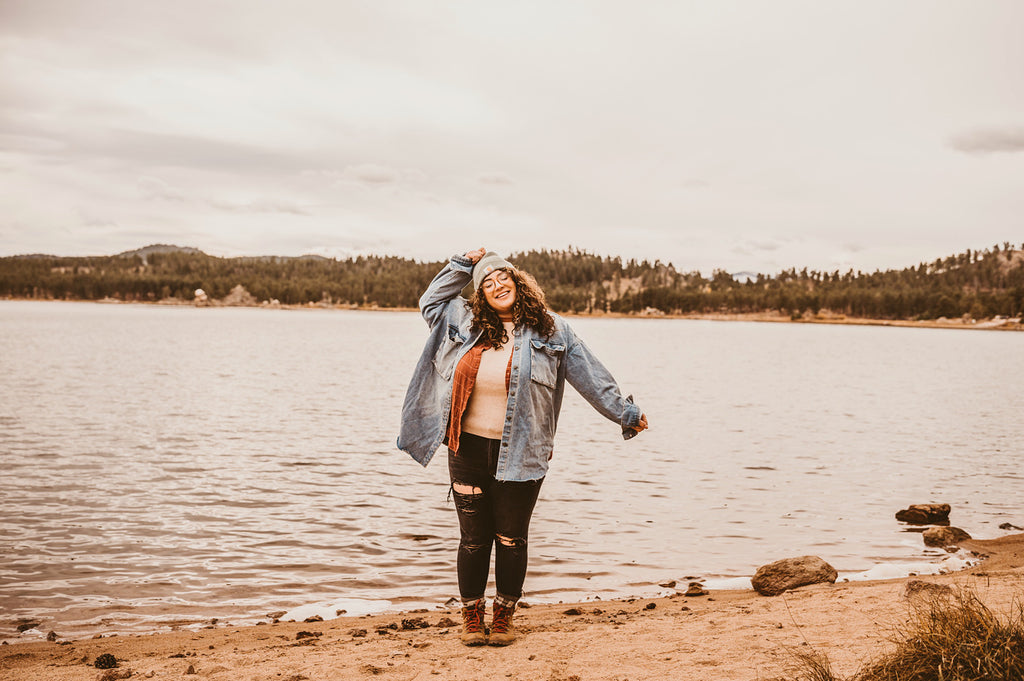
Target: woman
pixel 489 385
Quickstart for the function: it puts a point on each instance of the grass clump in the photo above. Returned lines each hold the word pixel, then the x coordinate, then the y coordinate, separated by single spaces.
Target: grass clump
pixel 947 638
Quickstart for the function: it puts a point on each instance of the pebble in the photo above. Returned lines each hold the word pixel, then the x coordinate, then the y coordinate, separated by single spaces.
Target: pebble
pixel 696 588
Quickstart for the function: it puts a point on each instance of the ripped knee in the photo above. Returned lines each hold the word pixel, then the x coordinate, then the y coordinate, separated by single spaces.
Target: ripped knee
pixel 511 542
pixel 461 488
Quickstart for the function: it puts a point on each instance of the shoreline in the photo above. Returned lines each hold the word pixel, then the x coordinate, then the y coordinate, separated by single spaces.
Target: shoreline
pixel 993 324
pixel 727 634
pixel 118 621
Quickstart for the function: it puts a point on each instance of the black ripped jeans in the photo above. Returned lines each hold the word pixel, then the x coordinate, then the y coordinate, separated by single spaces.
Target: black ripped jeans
pixel 499 516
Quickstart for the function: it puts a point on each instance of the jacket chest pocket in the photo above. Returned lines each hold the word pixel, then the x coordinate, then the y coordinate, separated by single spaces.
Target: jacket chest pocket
pixel 544 361
pixel 448 352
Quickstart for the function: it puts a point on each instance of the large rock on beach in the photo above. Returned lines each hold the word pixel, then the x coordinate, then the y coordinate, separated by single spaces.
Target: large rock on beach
pixel 924 514
pixel 789 573
pixel 944 536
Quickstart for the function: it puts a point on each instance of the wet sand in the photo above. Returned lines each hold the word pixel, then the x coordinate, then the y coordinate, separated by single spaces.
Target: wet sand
pixel 724 635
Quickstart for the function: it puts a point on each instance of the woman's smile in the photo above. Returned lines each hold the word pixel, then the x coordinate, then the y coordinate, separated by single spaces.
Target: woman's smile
pixel 500 291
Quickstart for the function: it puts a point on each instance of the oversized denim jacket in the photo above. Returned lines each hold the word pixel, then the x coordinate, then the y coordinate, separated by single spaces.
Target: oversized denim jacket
pixel 540 368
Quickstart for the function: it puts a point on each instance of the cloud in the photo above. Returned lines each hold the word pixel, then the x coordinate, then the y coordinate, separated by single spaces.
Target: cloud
pixel 259 206
pixel 494 178
pixel 751 246
pixel 989 140
pixel 155 189
pixel 370 174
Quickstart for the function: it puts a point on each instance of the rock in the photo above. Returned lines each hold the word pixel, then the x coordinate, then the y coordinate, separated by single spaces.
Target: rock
pixel 944 536
pixel 307 634
pixel 1009 526
pixel 105 661
pixel 572 612
pixel 789 573
pixel 276 615
pixel 695 589
pixel 52 636
pixel 314 618
pixel 924 514
pixel 650 606
pixel 414 623
pixel 25 625
pixel 447 622
pixel 668 585
pixel 191 670
pixel 115 675
pixel 357 633
pixel 917 587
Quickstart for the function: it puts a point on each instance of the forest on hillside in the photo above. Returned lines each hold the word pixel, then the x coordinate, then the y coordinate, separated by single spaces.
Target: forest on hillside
pixel 979 284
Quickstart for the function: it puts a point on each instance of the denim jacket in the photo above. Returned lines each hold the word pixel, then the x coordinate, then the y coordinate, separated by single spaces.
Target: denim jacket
pixel 540 368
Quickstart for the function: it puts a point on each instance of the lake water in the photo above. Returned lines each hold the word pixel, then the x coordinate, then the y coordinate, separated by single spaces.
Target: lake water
pixel 166 465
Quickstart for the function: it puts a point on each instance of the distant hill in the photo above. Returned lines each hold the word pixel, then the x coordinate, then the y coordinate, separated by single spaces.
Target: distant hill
pixel 147 251
pixel 978 284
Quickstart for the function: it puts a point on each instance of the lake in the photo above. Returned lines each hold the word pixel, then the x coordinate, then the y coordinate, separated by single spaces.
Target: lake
pixel 168 465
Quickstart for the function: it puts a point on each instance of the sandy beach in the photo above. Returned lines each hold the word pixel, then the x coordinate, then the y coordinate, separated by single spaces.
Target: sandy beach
pixel 723 635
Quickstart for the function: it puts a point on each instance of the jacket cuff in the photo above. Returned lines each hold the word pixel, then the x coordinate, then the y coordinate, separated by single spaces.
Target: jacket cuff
pixel 630 418
pixel 462 264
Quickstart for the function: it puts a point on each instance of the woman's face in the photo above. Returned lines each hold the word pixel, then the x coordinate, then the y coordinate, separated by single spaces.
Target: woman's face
pixel 499 291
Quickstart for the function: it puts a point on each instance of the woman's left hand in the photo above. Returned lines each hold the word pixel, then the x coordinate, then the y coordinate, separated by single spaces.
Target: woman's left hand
pixel 642 426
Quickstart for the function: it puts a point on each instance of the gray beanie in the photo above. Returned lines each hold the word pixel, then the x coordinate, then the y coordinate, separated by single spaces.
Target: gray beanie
pixel 487 264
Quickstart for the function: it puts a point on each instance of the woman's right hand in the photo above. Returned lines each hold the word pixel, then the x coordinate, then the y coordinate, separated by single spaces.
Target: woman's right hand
pixel 476 255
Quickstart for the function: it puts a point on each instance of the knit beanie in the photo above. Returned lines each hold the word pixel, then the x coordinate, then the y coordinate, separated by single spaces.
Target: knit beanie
pixel 487 264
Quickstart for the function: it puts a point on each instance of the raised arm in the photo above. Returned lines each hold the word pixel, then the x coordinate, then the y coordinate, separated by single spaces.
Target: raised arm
pixel 590 378
pixel 447 284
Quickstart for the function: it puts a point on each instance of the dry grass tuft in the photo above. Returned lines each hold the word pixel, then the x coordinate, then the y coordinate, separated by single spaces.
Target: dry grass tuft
pixel 947 638
pixel 813 667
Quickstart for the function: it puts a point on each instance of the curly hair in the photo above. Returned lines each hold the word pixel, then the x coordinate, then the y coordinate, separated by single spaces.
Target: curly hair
pixel 530 309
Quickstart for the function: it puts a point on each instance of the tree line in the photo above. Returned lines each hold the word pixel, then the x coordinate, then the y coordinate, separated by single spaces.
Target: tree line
pixel 979 284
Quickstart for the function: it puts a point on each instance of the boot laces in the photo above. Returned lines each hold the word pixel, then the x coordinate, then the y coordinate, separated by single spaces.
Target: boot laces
pixel 502 619
pixel 473 618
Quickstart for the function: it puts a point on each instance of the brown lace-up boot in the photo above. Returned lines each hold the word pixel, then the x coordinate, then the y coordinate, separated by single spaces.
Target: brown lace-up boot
pixel 501 626
pixel 473 624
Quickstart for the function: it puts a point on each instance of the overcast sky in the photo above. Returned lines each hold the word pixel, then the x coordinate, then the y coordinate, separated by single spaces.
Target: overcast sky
pixel 741 135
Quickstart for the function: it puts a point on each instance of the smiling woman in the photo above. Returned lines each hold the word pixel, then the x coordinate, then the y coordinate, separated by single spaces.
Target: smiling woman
pixel 489 385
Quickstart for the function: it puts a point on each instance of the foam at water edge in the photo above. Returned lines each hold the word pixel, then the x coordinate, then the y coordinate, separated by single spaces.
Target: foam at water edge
pixel 348 607
pixel 957 561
